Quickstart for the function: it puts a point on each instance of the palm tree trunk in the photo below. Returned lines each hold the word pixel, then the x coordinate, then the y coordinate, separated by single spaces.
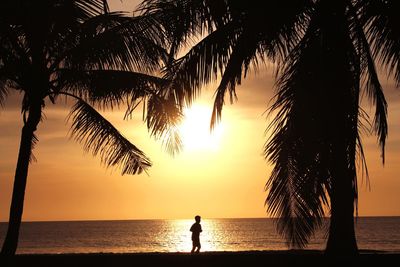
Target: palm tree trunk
pixel 342 239
pixel 17 203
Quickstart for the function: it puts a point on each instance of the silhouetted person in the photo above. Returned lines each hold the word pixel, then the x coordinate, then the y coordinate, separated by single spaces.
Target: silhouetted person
pixel 196 230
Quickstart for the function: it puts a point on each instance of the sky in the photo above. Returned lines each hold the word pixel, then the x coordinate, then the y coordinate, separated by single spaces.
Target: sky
pixel 217 176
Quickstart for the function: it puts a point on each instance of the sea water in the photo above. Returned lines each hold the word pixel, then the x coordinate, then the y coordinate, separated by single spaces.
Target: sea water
pixel 373 233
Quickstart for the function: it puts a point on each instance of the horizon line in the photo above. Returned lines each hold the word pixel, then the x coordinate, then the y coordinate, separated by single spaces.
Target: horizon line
pixel 163 219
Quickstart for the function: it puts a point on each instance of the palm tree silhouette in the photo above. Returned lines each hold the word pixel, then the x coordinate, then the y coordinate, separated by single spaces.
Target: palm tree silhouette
pixel 317 137
pixel 79 50
pixel 325 52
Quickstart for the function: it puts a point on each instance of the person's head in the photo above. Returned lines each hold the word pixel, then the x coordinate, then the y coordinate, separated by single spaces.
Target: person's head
pixel 197 218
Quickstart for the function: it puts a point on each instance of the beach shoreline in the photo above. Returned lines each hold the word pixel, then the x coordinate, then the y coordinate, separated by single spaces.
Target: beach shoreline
pixel 220 258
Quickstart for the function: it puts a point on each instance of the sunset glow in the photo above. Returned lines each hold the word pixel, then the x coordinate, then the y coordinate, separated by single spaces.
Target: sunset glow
pixel 195 130
pixel 218 174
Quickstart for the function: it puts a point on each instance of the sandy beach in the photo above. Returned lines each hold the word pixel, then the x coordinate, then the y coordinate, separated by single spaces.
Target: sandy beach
pixel 250 258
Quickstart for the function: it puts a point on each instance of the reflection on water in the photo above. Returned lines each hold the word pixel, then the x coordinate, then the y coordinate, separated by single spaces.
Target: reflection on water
pixel 380 233
pixel 217 235
pixel 180 238
pixel 226 235
pixel 174 235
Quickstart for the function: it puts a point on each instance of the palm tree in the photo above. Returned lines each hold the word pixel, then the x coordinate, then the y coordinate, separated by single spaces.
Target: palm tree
pixel 316 139
pixel 77 49
pixel 325 52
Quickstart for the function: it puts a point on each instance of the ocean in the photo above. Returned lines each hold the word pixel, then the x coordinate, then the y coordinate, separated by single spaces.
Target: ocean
pixel 373 233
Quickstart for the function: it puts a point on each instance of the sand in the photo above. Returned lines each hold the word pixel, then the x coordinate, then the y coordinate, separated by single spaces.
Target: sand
pixel 220 259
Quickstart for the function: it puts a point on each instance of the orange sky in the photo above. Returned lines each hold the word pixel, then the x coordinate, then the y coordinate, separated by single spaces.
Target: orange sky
pixel 224 178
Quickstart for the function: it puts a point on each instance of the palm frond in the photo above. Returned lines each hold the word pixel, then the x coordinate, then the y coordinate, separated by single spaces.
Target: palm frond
pixel 108 88
pixel 372 84
pixel 3 87
pixel 89 8
pixel 186 19
pixel 163 117
pixel 375 93
pixel 63 24
pixel 201 64
pixel 299 181
pixel 381 24
pixel 32 157
pixel 113 41
pixel 175 19
pixel 13 53
pixel 296 193
pixel 242 54
pixel 99 137
pixel 3 94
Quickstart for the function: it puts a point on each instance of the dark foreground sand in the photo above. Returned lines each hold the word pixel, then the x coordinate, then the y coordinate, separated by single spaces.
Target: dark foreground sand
pixel 220 259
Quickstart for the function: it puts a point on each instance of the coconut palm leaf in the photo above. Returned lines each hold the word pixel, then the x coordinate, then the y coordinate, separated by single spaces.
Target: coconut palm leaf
pixel 381 22
pixel 243 53
pixel 375 93
pixel 99 137
pixel 372 84
pixel 163 117
pixel 12 52
pixel 167 13
pixel 185 19
pixel 295 195
pixel 3 85
pixel 113 41
pixel 109 88
pixel 3 93
pixel 87 8
pixel 201 64
pixel 261 36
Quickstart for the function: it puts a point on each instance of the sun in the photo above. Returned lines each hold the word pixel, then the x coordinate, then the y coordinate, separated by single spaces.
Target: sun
pixel 195 129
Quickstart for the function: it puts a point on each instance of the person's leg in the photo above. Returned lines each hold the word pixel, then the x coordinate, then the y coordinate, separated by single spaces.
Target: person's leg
pixel 198 248
pixel 194 245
